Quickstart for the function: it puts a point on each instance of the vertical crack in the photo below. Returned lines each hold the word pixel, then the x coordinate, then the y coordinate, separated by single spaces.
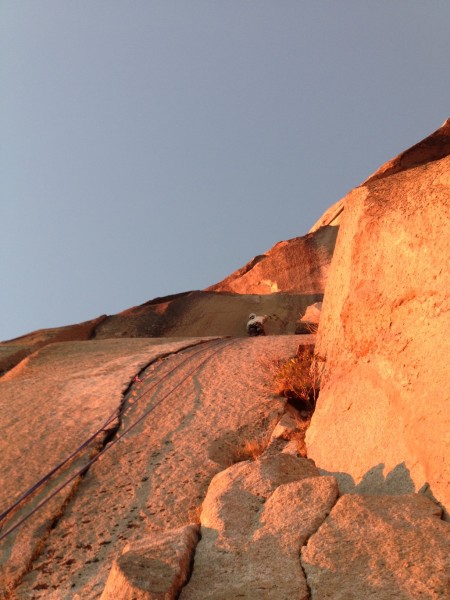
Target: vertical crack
pixel 308 587
pixel 305 543
pixel 190 569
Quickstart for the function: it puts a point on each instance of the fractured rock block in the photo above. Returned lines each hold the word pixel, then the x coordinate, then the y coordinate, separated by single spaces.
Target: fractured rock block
pixel 255 518
pixel 285 428
pixel 155 568
pixel 380 547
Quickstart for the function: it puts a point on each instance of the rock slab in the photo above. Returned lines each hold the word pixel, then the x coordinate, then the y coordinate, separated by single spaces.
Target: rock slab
pixel 50 403
pixel 156 477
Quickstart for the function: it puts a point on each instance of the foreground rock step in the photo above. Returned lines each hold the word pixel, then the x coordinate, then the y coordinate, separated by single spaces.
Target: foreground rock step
pixel 154 568
pixel 382 548
pixel 254 520
pixel 266 523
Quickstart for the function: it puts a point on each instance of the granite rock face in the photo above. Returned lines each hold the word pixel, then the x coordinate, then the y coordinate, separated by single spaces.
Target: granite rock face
pixel 154 568
pixel 215 313
pixel 298 266
pixel 174 416
pixel 206 399
pixel 382 421
pixel 255 518
pixel 382 547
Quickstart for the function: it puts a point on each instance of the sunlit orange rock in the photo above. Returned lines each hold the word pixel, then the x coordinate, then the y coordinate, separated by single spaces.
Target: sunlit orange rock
pixel 152 480
pixel 153 568
pixel 380 547
pixel 298 265
pixel 255 518
pixel 382 420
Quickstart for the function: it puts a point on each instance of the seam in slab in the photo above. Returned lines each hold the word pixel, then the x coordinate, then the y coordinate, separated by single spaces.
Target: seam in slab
pixel 109 435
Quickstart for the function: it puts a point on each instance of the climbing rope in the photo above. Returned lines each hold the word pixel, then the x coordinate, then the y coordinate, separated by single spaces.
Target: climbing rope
pixel 221 345
pixel 115 414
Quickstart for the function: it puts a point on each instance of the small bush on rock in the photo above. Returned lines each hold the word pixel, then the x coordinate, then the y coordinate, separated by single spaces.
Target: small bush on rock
pixel 298 378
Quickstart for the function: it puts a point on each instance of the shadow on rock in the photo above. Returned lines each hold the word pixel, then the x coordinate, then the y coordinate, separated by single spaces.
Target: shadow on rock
pixel 398 481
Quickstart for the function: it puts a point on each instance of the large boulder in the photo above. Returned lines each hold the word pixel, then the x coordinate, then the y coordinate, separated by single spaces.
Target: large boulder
pixel 382 420
pixel 383 548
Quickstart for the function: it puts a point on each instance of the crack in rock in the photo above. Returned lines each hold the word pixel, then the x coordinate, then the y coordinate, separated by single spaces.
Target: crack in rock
pixel 255 518
pixel 52 513
pixel 380 547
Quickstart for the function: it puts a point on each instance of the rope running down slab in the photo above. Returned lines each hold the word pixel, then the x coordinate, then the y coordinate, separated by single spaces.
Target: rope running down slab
pixel 222 344
pixel 115 414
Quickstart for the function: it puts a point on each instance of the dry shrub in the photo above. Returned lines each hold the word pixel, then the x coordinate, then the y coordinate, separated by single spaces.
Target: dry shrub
pixel 251 449
pixel 298 378
pixel 312 327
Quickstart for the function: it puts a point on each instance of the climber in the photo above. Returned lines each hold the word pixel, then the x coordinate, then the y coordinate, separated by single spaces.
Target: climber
pixel 255 324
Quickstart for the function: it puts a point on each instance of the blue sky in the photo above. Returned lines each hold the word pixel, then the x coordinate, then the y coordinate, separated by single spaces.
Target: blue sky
pixel 152 147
